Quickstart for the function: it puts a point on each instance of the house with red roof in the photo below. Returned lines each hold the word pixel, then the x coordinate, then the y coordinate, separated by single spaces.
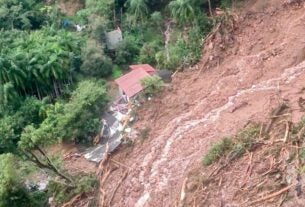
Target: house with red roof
pixel 148 68
pixel 130 83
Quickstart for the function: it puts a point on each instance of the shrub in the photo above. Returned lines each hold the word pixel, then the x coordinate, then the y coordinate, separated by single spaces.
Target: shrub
pixel 156 18
pixel 21 14
pixel 217 151
pixel 62 192
pixel 11 126
pixel 116 72
pixel 39 199
pixel 128 50
pixel 95 63
pixel 12 192
pixel 152 85
pixel 233 147
pixel 147 50
pixel 81 113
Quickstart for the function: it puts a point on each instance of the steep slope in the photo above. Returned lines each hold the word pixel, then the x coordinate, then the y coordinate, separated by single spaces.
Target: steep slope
pixel 247 70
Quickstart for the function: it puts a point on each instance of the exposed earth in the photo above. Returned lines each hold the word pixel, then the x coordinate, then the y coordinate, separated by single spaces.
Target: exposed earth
pixel 254 61
pixel 251 68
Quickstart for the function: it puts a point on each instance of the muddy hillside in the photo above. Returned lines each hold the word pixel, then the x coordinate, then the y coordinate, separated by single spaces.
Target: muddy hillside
pixel 253 61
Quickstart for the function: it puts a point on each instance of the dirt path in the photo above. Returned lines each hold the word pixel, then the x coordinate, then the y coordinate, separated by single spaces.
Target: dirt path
pixel 263 67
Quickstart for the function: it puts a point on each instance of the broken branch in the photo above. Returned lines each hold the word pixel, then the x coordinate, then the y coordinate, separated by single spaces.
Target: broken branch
pixel 271 195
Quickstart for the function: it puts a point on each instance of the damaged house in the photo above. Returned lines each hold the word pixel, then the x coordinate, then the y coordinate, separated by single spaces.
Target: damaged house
pixel 130 83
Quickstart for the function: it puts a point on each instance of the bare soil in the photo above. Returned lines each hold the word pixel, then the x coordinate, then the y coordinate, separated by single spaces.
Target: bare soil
pixel 70 7
pixel 246 70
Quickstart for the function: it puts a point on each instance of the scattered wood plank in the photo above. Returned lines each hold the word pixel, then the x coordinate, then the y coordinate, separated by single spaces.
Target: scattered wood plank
pixel 72 201
pixel 183 194
pixel 272 195
pixel 117 187
pixel 275 113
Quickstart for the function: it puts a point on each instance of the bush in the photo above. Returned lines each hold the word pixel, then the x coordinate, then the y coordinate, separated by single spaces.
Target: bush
pixel 11 126
pixel 62 192
pixel 152 85
pixel 234 147
pixel 39 199
pixel 99 26
pixel 156 18
pixel 128 50
pixel 12 192
pixel 80 115
pixel 116 72
pixel 21 14
pixel 147 50
pixel 217 151
pixel 95 63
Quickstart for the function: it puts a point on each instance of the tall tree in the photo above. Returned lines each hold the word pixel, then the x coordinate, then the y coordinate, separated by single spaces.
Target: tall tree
pixel 138 10
pixel 182 10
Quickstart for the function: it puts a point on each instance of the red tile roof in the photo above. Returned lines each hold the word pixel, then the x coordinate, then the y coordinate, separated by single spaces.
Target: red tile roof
pixel 148 68
pixel 130 83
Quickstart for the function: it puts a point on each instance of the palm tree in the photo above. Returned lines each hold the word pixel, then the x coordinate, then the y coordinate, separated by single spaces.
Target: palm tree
pixel 8 94
pixel 138 9
pixel 182 10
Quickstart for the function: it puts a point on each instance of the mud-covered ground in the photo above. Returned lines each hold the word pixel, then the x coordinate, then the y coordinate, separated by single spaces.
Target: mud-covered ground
pixel 247 71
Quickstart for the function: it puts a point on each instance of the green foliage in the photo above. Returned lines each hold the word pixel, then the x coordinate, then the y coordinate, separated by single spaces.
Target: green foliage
pixel 12 192
pixel 81 113
pixel 38 199
pixel 99 8
pixel 138 11
pixel 233 147
pixel 12 125
pixel 95 63
pixel 39 62
pixel 147 51
pixel 99 27
pixel 217 151
pixel 62 192
pixel 21 14
pixel 244 140
pixel 8 95
pixel 225 4
pixel 156 18
pixel 116 72
pixel 76 119
pixel 184 50
pixel 152 85
pixel 128 50
pixel 182 11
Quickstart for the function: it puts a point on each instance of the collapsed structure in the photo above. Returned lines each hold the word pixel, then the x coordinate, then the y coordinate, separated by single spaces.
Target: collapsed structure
pixel 115 120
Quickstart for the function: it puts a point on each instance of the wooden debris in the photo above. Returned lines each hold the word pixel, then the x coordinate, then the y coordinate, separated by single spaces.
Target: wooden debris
pixel 73 201
pixel 275 113
pixel 102 173
pixel 286 132
pixel 272 195
pixel 183 194
pixel 119 163
pixel 117 187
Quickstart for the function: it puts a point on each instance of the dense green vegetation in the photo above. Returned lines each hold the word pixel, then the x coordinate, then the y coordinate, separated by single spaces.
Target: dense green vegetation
pixel 53 78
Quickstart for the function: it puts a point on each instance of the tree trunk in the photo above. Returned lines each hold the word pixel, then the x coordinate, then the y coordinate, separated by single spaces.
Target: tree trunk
pixel 55 89
pixel 52 165
pixel 210 8
pixel 38 92
pixel 49 165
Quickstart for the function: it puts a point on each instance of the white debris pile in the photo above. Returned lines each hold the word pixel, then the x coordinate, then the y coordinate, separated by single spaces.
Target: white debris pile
pixel 115 129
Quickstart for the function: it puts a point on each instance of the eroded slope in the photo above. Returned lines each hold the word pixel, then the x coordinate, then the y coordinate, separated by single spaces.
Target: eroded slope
pixel 256 65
